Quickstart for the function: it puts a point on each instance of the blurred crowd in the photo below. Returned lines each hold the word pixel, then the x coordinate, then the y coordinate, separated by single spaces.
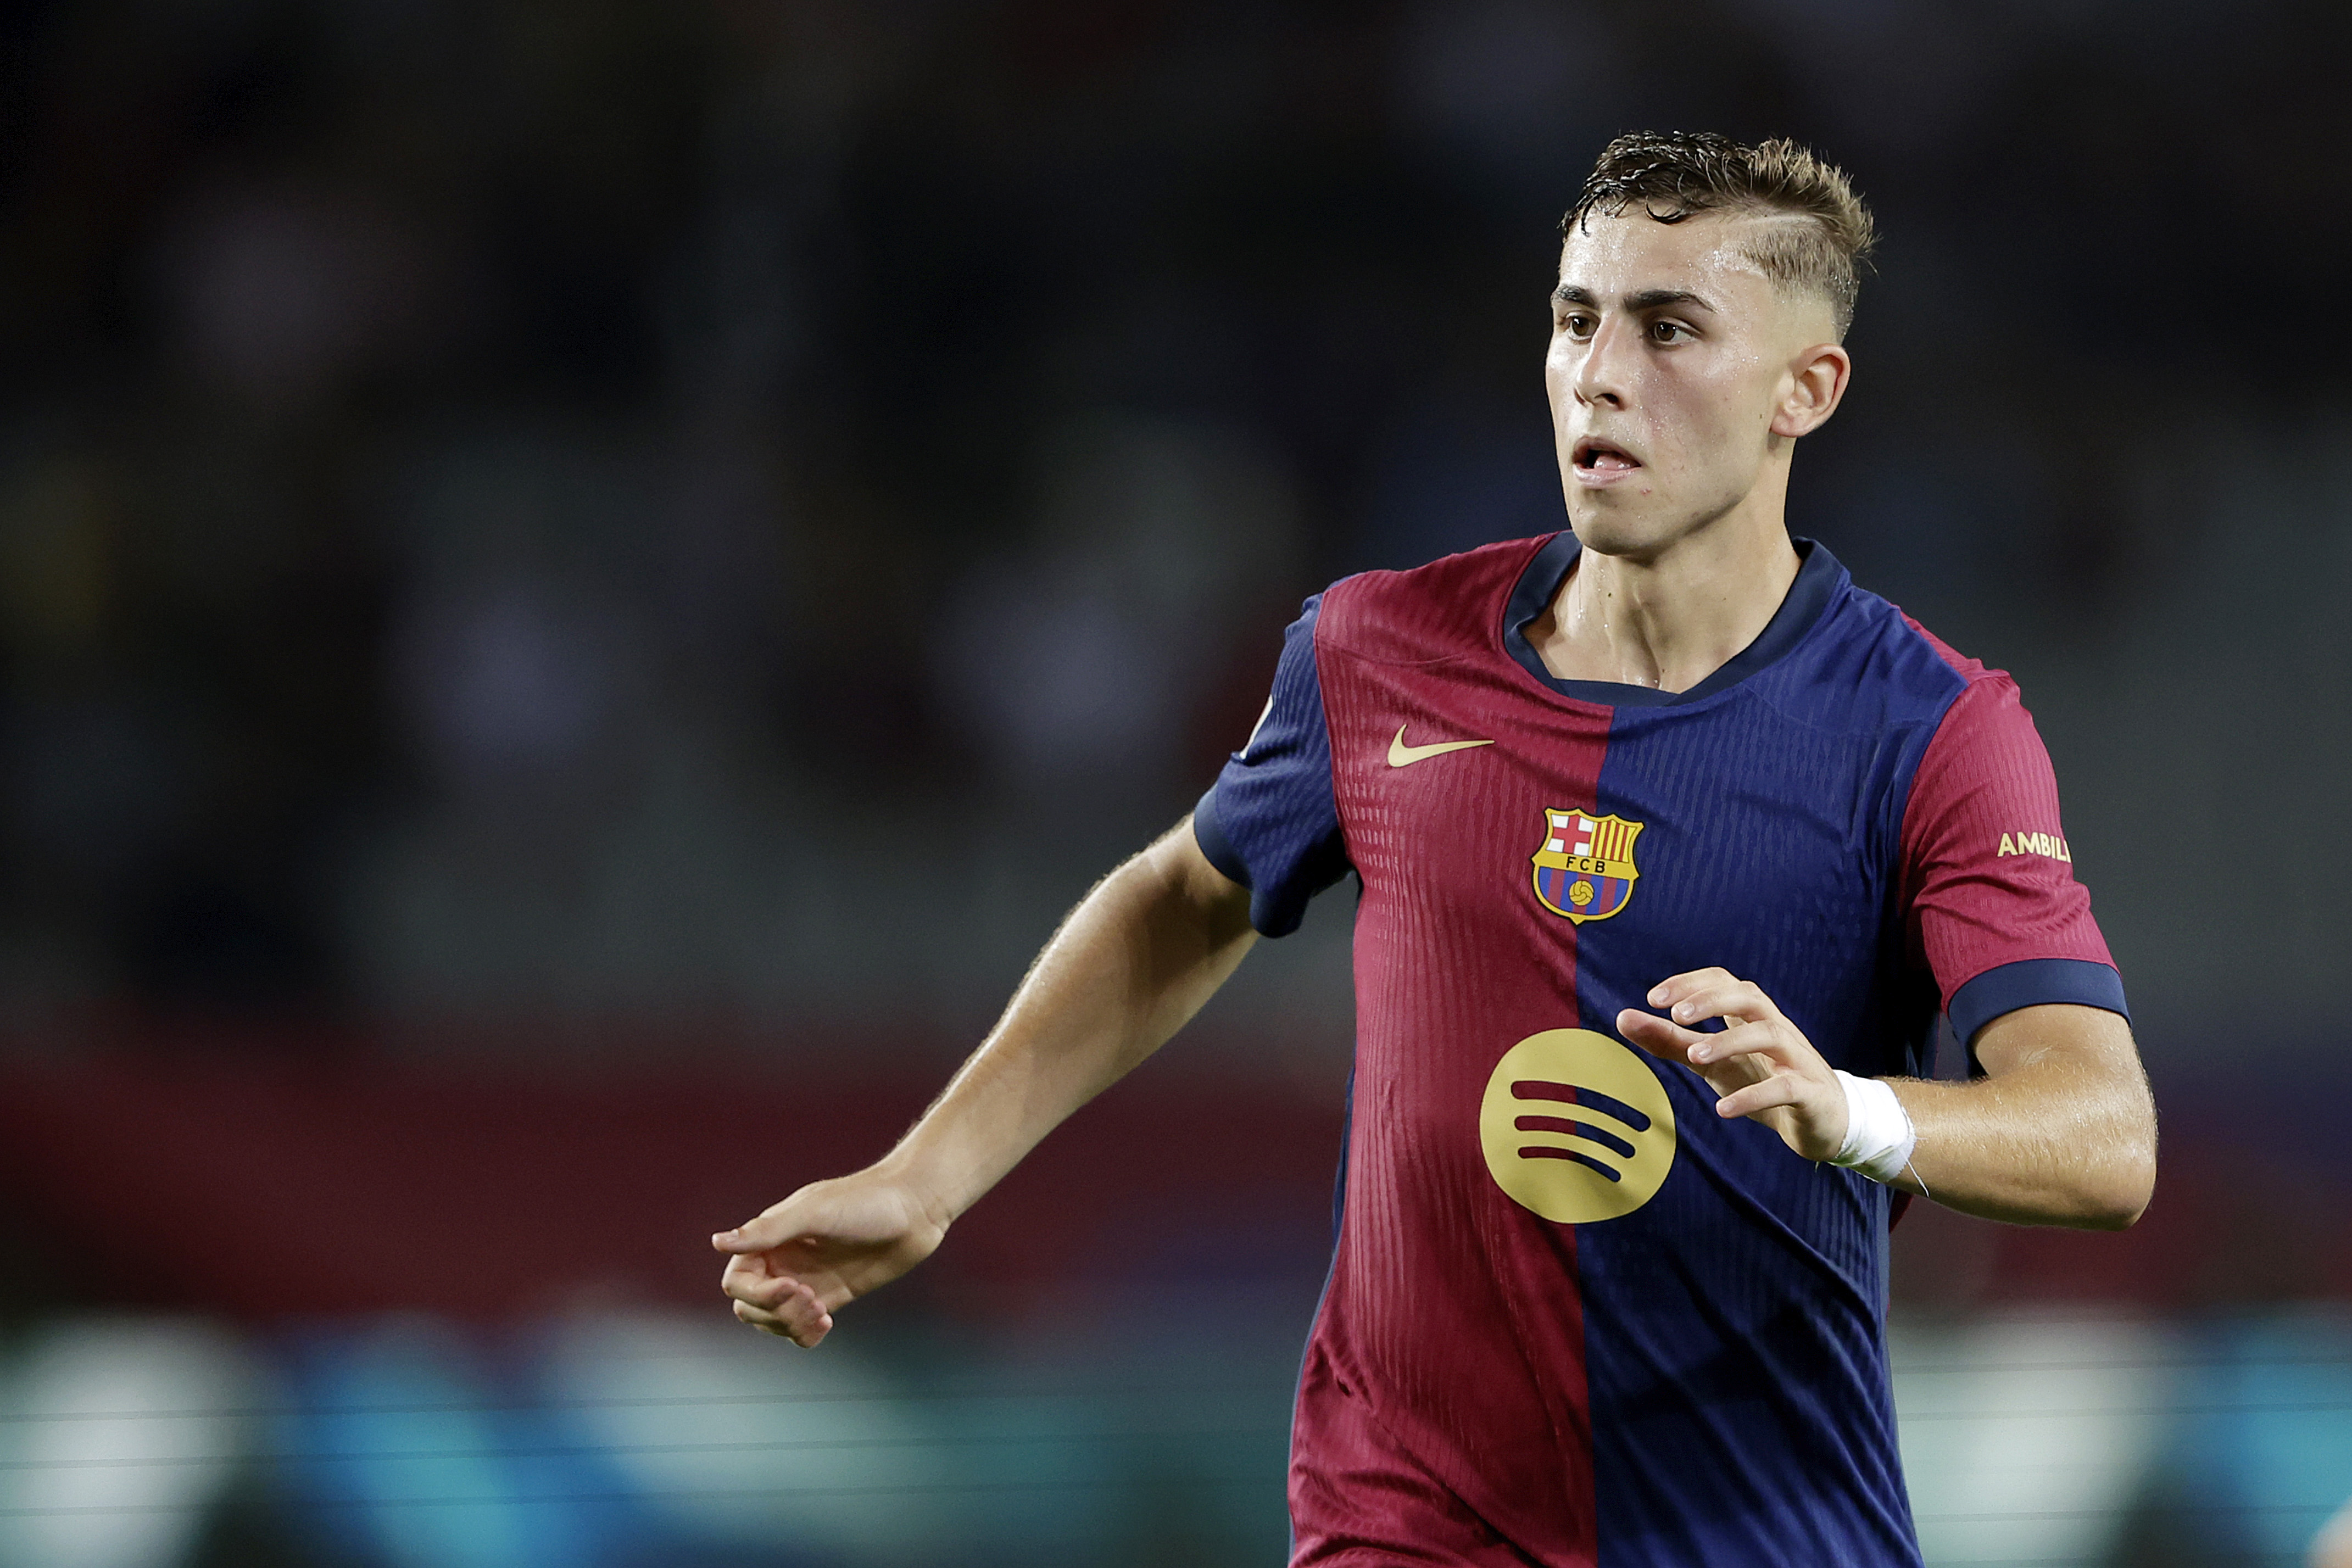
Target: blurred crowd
pixel 740 509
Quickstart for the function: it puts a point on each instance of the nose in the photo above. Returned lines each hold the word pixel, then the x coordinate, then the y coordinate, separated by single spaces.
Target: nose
pixel 1605 374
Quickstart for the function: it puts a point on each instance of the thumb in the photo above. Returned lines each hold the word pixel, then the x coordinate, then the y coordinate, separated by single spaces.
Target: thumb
pixel 755 1234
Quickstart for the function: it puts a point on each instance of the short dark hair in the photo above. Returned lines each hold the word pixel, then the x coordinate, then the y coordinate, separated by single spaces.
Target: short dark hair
pixel 1674 174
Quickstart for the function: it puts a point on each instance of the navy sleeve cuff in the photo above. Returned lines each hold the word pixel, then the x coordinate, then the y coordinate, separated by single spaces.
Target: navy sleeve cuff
pixel 1276 909
pixel 1210 834
pixel 2031 982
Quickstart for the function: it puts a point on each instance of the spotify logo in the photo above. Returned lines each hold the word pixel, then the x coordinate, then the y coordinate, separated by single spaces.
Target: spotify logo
pixel 1576 1126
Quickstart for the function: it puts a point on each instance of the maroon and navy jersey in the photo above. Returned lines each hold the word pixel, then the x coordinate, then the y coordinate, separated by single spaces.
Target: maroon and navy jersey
pixel 1574 1316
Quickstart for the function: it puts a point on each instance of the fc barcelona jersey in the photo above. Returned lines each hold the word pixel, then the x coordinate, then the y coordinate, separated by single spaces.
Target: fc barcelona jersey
pixel 1574 1317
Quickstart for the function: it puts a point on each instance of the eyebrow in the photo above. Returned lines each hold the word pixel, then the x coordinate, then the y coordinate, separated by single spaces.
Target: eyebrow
pixel 1638 301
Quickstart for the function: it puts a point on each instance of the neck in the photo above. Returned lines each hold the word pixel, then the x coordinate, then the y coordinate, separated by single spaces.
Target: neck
pixel 1670 618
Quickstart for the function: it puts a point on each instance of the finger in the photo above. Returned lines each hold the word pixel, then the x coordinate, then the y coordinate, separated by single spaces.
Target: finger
pixel 1743 1039
pixel 759 1318
pixel 1673 989
pixel 1781 1089
pixel 780 1298
pixel 746 1266
pixel 803 1333
pixel 796 1314
pixel 771 1291
pixel 1660 1037
pixel 1741 1001
pixel 753 1279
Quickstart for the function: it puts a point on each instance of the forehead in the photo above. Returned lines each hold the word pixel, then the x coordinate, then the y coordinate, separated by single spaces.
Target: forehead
pixel 1610 256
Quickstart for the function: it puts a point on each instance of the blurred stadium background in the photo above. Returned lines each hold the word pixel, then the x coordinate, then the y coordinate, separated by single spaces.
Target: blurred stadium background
pixel 581 583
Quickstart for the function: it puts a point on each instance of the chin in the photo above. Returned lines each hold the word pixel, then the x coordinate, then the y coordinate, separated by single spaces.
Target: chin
pixel 1614 530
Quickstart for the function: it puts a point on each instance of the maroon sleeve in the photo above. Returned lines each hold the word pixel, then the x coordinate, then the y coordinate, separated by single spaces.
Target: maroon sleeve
pixel 1988 887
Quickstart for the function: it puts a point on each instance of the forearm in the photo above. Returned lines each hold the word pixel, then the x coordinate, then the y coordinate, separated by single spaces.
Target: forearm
pixel 2061 1131
pixel 1129 966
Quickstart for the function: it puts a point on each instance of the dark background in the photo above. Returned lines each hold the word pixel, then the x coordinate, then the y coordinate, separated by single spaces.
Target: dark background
pixel 581 583
pixel 519 509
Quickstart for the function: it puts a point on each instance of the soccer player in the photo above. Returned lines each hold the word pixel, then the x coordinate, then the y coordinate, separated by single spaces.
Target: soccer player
pixel 1673 844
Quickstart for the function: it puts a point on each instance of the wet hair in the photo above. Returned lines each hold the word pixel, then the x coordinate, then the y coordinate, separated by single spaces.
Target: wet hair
pixel 1676 175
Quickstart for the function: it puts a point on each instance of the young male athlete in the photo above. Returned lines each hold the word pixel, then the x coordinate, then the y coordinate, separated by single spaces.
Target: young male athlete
pixel 1673 844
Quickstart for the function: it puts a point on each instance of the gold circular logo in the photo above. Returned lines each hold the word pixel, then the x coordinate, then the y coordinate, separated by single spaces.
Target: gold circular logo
pixel 1581 894
pixel 1576 1126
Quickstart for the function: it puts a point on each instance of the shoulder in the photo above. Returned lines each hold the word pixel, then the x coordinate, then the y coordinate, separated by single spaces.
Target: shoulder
pixel 1967 671
pixel 1980 698
pixel 1980 749
pixel 1445 609
pixel 1868 665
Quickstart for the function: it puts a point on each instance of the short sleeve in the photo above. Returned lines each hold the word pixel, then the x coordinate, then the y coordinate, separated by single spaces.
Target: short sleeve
pixel 1271 821
pixel 1993 907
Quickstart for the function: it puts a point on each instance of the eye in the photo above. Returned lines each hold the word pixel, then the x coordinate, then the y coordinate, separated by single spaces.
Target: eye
pixel 1665 331
pixel 1576 324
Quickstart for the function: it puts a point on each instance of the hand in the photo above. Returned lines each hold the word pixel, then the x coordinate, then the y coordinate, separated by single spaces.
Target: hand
pixel 1761 1064
pixel 826 1244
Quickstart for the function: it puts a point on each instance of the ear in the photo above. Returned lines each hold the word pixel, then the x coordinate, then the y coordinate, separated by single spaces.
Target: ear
pixel 1817 379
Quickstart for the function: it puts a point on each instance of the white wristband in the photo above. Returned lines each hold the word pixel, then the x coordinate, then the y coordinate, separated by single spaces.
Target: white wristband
pixel 1878 1134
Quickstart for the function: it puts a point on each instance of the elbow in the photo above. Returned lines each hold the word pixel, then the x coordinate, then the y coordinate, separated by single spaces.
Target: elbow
pixel 2118 1178
pixel 2120 1215
pixel 2117 1202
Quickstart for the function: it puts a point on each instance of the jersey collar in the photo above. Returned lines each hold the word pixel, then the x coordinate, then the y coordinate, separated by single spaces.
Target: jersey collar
pixel 1818 576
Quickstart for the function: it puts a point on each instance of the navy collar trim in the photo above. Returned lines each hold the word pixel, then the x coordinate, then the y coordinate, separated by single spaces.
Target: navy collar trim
pixel 1818 576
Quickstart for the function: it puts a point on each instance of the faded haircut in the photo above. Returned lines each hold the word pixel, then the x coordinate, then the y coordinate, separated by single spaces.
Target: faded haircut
pixel 1676 175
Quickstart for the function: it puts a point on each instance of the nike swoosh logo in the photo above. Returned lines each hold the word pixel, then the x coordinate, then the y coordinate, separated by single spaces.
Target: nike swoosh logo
pixel 1404 756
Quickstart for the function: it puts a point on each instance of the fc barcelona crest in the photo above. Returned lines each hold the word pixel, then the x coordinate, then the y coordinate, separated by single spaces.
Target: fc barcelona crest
pixel 1584 869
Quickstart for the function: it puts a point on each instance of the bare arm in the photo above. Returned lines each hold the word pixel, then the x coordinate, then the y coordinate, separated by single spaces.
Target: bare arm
pixel 2061 1131
pixel 1132 963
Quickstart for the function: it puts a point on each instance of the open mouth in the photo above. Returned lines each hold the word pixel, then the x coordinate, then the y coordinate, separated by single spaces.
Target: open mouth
pixel 1600 456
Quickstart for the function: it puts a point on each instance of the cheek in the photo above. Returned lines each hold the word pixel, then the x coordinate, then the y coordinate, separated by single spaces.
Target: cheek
pixel 1751 395
pixel 1697 436
pixel 1717 412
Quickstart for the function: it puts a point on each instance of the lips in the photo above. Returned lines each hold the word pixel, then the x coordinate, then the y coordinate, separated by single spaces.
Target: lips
pixel 1596 455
